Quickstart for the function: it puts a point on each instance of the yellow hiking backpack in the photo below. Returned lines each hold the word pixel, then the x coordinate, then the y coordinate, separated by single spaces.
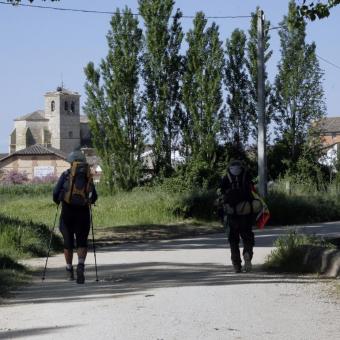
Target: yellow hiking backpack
pixel 79 185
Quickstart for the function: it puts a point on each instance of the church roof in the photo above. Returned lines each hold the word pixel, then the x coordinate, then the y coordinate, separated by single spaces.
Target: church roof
pixel 36 115
pixel 38 149
pixel 330 124
pixel 3 155
pixel 62 90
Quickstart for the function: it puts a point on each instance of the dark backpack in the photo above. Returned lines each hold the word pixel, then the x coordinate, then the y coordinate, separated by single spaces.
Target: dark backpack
pixel 237 192
pixel 78 185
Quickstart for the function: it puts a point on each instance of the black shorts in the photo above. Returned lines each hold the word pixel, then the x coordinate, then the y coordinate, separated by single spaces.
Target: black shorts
pixel 75 225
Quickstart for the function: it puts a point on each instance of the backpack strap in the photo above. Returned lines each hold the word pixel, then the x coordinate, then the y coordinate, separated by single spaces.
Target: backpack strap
pixel 72 173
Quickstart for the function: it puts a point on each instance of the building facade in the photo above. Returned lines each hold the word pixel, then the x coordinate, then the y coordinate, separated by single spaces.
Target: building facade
pixel 36 161
pixel 59 125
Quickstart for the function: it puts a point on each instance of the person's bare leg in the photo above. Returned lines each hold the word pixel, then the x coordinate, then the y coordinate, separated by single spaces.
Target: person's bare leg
pixel 82 252
pixel 68 253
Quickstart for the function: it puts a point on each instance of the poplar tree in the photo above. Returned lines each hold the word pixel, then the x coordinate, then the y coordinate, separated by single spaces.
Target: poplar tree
pixel 113 104
pixel 298 85
pixel 237 86
pixel 162 71
pixel 202 92
pixel 251 63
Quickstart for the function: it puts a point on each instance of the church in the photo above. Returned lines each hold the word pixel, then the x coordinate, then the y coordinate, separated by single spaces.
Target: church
pixel 59 126
pixel 41 140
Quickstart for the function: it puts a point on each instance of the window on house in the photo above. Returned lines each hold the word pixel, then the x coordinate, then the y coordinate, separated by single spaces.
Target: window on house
pixel 52 105
pixel 72 106
pixel 66 105
pixel 333 134
pixel 70 134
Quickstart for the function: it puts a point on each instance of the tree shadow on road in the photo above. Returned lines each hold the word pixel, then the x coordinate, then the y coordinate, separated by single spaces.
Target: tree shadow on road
pixel 22 333
pixel 123 280
pixel 119 280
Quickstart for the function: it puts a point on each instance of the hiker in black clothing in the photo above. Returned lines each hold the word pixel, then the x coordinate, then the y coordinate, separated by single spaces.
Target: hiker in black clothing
pixel 75 214
pixel 236 196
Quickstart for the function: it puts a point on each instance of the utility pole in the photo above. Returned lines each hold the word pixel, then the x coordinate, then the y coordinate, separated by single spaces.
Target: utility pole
pixel 261 134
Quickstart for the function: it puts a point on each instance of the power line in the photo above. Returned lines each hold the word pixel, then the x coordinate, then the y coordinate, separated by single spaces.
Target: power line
pixel 328 62
pixel 113 13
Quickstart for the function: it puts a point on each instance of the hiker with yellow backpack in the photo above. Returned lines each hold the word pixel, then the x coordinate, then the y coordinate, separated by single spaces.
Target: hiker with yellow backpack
pixel 76 192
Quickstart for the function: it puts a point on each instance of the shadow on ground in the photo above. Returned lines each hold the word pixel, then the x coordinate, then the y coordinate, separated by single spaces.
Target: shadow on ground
pixel 22 333
pixel 264 238
pixel 140 278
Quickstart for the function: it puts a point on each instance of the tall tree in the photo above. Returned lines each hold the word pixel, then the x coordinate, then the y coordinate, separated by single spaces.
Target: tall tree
pixel 237 86
pixel 113 104
pixel 298 86
pixel 202 91
pixel 162 69
pixel 251 63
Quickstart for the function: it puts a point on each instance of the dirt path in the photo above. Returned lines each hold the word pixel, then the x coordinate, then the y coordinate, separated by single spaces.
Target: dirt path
pixel 177 289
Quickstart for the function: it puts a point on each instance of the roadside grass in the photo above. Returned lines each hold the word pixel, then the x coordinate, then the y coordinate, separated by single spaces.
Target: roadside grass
pixel 133 208
pixel 12 274
pixel 337 289
pixel 21 239
pixel 288 255
pixel 25 189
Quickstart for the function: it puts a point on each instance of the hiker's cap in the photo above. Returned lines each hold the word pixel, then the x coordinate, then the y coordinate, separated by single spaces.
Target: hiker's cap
pixel 76 156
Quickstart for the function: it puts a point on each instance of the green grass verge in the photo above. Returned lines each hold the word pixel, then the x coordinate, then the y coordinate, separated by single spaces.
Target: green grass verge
pixel 12 274
pixel 139 207
pixel 21 239
pixel 289 252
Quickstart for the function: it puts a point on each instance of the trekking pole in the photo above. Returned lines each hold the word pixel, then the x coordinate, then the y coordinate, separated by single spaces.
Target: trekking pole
pixel 93 245
pixel 49 247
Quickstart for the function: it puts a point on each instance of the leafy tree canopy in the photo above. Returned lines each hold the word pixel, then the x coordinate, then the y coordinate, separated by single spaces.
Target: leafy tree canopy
pixel 317 10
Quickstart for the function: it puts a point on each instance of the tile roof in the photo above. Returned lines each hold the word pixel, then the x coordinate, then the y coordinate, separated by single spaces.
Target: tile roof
pixel 38 149
pixel 330 124
pixel 36 115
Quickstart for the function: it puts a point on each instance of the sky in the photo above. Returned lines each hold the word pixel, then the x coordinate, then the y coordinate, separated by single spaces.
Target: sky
pixel 40 48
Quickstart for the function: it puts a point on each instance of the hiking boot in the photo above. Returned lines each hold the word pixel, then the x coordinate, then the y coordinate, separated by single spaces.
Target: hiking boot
pixel 237 268
pixel 247 263
pixel 80 273
pixel 70 273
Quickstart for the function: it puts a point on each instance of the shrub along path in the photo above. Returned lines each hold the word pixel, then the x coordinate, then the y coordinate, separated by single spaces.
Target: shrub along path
pixel 174 289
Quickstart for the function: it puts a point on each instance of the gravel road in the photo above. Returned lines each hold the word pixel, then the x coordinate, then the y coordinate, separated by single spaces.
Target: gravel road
pixel 177 289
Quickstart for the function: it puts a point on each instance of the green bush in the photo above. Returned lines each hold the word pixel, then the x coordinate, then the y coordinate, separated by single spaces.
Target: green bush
pixel 289 253
pixel 198 204
pixel 298 209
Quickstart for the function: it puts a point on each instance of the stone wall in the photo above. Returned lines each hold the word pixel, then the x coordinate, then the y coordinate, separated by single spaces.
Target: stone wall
pixel 32 164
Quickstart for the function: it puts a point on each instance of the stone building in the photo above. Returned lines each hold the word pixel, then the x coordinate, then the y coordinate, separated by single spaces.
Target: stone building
pixel 41 140
pixel 59 125
pixel 36 161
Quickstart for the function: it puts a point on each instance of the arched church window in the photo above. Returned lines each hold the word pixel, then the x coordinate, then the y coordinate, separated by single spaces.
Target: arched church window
pixel 66 105
pixel 52 105
pixel 72 106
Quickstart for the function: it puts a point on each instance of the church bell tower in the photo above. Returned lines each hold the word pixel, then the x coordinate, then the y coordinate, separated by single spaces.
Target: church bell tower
pixel 63 111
